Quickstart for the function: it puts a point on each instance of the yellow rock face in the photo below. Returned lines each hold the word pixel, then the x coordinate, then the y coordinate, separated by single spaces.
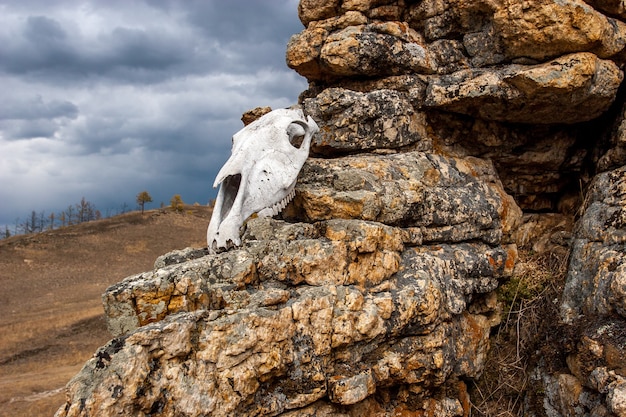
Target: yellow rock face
pixel 544 29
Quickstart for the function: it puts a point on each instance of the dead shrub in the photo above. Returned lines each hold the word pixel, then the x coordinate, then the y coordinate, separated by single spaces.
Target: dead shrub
pixel 530 300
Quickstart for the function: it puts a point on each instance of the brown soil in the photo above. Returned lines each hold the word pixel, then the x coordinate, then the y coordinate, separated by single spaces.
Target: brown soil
pixel 51 316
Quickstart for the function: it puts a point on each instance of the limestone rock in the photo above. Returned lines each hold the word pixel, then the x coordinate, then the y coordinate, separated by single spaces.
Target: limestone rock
pixel 362 50
pixel 596 282
pixel 544 29
pixel 358 50
pixel 596 385
pixel 341 252
pixel 253 332
pixel 594 300
pixel 356 300
pixel 440 197
pixel 245 364
pixel 495 31
pixel 569 89
pixel 179 256
pixel 369 38
pixel 396 252
pixel 253 114
pixel 355 121
pixel 310 10
pixel 303 51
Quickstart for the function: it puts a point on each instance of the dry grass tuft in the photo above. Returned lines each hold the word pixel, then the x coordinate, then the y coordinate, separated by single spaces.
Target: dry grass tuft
pixel 528 298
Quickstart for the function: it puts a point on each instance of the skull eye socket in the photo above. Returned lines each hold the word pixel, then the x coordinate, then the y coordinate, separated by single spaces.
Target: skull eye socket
pixel 296 135
pixel 296 141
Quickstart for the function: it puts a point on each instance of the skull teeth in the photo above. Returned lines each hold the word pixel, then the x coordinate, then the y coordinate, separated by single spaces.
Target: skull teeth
pixel 278 207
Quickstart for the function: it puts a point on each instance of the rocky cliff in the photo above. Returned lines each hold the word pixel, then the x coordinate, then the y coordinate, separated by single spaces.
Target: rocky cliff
pixel 452 135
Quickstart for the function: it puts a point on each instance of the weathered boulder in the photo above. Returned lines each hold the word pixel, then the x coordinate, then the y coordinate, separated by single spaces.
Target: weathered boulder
pixel 312 10
pixel 428 36
pixel 340 310
pixel 495 64
pixel 424 199
pixel 252 115
pixel 537 164
pixel 544 29
pixel 345 47
pixel 446 200
pixel 570 89
pixel 362 121
pixel 362 50
pixel 388 284
pixel 596 283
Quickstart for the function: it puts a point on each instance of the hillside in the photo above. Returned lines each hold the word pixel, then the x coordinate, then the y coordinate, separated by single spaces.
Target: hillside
pixel 51 317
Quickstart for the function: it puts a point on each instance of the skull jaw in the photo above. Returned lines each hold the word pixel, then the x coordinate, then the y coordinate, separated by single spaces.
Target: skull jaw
pixel 227 218
pixel 227 235
pixel 224 234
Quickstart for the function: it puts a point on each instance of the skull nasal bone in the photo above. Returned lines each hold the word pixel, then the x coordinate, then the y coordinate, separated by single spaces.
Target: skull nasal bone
pixel 231 189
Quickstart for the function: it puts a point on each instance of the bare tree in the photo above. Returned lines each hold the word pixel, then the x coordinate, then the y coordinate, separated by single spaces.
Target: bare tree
pixel 41 226
pixel 31 224
pixel 69 212
pixel 82 210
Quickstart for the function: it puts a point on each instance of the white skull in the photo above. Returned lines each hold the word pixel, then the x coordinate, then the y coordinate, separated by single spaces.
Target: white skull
pixel 261 173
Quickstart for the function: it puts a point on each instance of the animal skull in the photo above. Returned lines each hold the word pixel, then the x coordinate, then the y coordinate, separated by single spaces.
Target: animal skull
pixel 261 173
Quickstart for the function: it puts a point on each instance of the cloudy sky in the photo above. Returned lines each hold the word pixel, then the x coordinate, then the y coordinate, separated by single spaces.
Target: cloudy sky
pixel 103 99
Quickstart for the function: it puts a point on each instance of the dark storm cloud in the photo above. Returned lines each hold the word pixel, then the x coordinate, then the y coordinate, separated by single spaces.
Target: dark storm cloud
pixel 104 99
pixel 244 20
pixel 252 34
pixel 43 48
pixel 36 108
pixel 40 43
pixel 233 36
pixel 44 32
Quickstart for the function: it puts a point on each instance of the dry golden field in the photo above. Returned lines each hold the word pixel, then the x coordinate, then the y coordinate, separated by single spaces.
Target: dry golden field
pixel 51 316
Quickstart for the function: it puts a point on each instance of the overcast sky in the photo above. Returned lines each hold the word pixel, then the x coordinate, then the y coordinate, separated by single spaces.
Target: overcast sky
pixel 104 99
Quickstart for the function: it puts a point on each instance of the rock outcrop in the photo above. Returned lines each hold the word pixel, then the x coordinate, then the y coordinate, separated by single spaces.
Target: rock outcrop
pixel 450 133
pixel 326 313
pixel 368 294
pixel 594 303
